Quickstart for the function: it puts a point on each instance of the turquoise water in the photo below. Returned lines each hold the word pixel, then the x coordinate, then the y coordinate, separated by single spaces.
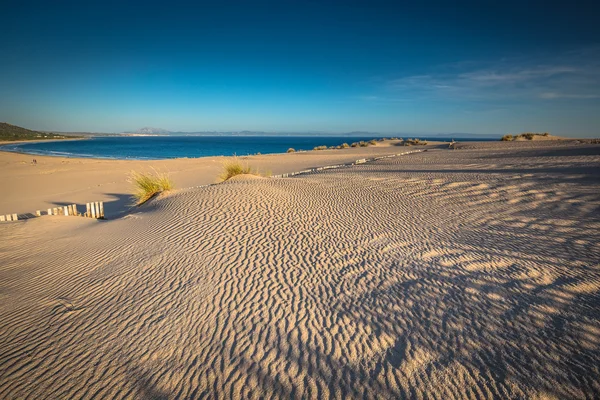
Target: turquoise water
pixel 163 147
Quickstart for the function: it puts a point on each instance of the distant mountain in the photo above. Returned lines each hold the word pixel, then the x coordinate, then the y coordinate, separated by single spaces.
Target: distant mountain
pixel 10 132
pixel 147 130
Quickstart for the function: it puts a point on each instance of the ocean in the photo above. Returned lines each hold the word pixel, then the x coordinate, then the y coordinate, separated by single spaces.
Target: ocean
pixel 165 147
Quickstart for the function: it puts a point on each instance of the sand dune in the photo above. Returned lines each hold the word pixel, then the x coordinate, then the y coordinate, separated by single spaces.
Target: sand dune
pixel 444 274
pixel 59 181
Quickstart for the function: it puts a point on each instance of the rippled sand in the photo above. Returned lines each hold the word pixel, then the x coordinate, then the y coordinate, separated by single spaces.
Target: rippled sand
pixel 446 274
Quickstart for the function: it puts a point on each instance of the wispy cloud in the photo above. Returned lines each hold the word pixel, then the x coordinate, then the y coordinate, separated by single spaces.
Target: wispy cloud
pixel 574 75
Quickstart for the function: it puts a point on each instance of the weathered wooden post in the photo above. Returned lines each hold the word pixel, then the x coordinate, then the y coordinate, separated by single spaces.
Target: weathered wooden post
pixel 8 217
pixel 102 209
pixel 49 211
pixel 2 218
pixel 38 213
pixel 97 209
pixel 66 211
pixel 55 211
pixel 87 210
pixel 75 212
pixel 93 210
pixel 15 217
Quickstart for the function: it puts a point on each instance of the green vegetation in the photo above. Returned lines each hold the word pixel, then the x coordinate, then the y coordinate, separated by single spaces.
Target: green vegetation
pixel 415 142
pixel 148 185
pixel 10 132
pixel 525 135
pixel 234 167
pixel 362 143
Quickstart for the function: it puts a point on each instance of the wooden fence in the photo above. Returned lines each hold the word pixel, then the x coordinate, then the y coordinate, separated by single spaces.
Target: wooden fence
pixel 93 210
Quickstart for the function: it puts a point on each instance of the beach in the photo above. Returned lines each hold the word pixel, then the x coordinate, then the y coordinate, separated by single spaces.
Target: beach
pixel 468 273
pixel 59 181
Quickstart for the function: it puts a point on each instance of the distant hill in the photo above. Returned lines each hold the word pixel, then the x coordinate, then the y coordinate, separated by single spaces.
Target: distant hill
pixel 10 132
pixel 147 130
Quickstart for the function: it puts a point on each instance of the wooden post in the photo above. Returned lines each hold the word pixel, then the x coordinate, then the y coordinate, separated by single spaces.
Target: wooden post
pixel 93 210
pixel 70 209
pixel 97 210
pixel 38 213
pixel 102 209
pixel 66 211
pixel 49 211
pixel 55 211
pixel 2 218
pixel 15 217
pixel 8 217
pixel 87 210
pixel 75 212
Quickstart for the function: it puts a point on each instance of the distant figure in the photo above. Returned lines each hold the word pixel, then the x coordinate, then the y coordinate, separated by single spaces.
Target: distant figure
pixel 34 161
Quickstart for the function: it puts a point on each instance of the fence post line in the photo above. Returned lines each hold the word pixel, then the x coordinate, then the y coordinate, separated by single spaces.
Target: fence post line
pixel 102 209
pixel 87 210
pixel 75 212
pixel 93 209
pixel 97 210
pixel 70 209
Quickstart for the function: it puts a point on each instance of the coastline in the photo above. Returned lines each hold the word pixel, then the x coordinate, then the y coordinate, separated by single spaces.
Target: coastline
pixel 56 181
pixel 66 180
pixel 9 142
pixel 76 156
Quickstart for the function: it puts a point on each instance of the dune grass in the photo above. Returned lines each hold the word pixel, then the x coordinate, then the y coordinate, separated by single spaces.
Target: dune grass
pixel 148 185
pixel 235 167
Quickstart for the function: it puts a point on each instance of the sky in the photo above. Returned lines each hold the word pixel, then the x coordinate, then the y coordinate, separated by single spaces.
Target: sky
pixel 485 67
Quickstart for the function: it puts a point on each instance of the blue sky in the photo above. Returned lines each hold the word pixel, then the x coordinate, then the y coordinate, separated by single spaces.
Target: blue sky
pixel 438 67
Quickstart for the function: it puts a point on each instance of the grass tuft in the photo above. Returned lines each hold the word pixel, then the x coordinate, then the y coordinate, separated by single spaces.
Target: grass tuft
pixel 148 185
pixel 234 167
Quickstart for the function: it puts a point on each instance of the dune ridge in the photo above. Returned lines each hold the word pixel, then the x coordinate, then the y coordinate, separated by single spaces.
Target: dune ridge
pixel 446 274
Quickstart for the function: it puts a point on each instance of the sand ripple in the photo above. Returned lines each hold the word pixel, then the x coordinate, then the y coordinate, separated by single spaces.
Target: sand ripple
pixel 444 274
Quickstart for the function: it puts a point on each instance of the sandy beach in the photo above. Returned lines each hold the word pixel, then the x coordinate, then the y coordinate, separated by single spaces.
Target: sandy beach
pixel 470 273
pixel 59 181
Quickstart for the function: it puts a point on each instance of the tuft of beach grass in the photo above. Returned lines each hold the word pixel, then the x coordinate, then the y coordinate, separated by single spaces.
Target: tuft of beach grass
pixel 234 167
pixel 148 185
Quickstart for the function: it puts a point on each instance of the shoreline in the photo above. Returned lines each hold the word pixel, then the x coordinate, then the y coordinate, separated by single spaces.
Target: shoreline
pixel 57 180
pixel 77 157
